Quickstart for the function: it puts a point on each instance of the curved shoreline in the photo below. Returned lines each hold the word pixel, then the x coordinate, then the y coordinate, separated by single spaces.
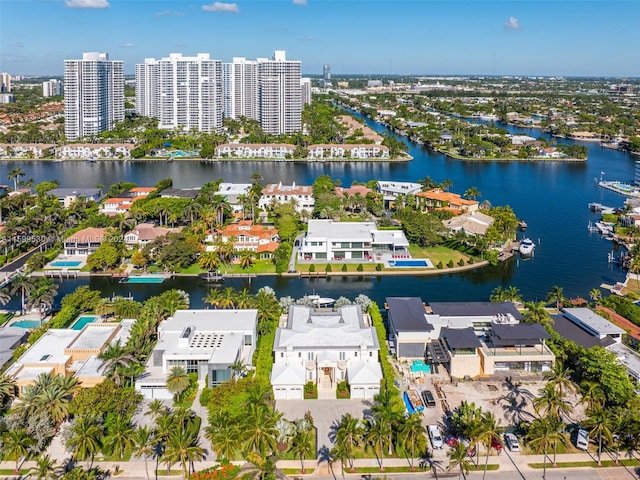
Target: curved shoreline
pixel 406 158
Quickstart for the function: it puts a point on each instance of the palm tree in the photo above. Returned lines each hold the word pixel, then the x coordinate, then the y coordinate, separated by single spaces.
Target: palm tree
pixel 24 285
pixel 42 295
pixel 486 433
pixel 556 295
pixel 559 377
pixel 15 175
pixel 472 193
pixel 7 388
pixel 223 435
pixel 244 299
pixel 178 380
pixel 238 369
pixel 599 420
pixel 537 313
pixel 85 439
pixel 183 446
pixel 246 258
pixel 551 403
pixel 413 436
pixel 379 431
pixel 350 433
pixel 145 445
pixel 209 261
pixel 214 297
pixel 260 433
pixel 114 359
pixel 156 409
pixel 459 458
pixel 592 394
pixel 4 297
pixel 539 438
pixel 45 468
pixel 17 444
pixel 228 298
pixel 121 436
pixel 596 295
pixel 302 445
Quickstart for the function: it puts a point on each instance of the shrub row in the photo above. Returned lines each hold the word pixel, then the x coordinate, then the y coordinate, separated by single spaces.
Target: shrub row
pixel 387 369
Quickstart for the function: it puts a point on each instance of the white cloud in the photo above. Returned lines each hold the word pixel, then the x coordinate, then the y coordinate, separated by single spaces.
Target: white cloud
pixel 512 24
pixel 221 7
pixel 300 2
pixel 169 13
pixel 87 3
pixel 127 45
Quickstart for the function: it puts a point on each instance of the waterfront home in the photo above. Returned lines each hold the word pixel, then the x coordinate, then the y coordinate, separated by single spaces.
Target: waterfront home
pixel 391 190
pixel 347 151
pixel 233 193
pixel 550 152
pixel 116 205
pixel 138 192
pixel 190 193
pixel 438 199
pixel 446 137
pixel 588 329
pixel 352 191
pixel 473 223
pixel 25 150
pixel 255 150
pixel 204 342
pixel 68 196
pixel 95 150
pixel 10 339
pixel 65 351
pixel 327 240
pixel 261 239
pixel 354 125
pixel 325 347
pixel 301 195
pixel 519 140
pixel 84 242
pixel 145 233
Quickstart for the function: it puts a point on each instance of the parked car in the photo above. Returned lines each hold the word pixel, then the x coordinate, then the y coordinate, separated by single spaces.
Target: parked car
pixel 495 443
pixel 429 399
pixel 511 441
pixel 435 436
pixel 582 439
pixel 467 443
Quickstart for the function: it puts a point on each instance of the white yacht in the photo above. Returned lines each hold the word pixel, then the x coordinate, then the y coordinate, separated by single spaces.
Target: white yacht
pixel 526 246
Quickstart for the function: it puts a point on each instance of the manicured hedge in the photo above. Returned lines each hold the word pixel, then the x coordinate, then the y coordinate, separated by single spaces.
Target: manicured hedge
pixel 387 369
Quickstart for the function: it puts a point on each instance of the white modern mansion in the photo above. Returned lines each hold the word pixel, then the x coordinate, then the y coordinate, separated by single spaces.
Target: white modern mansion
pixel 93 95
pixel 327 240
pixel 195 92
pixel 326 347
pixel 206 342
pixel 275 193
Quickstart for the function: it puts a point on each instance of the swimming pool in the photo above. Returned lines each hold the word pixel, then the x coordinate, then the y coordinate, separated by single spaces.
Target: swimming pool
pixel 66 263
pixel 420 367
pixel 26 324
pixel 143 279
pixel 622 186
pixel 415 263
pixel 83 320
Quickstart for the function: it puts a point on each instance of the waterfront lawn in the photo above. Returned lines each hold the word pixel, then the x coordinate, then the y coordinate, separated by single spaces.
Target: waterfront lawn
pixel 259 266
pixel 5 317
pixel 438 254
pixel 336 267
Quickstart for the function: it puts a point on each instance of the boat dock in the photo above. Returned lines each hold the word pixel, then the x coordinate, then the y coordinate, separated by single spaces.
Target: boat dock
pixel 61 274
pixel 599 208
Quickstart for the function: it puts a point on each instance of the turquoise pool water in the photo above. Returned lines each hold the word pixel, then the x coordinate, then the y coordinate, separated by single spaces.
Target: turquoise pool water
pixel 623 186
pixel 420 367
pixel 26 324
pixel 143 280
pixel 83 320
pixel 416 263
pixel 66 263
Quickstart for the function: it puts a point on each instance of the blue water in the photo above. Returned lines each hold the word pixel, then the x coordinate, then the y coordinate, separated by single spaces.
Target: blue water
pixel 26 324
pixel 143 280
pixel 419 366
pixel 552 197
pixel 80 323
pixel 409 263
pixel 66 263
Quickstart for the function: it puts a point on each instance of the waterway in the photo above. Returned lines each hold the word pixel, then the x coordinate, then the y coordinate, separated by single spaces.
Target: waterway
pixel 551 197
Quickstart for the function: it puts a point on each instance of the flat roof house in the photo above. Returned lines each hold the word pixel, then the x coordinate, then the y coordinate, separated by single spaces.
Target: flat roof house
pixel 327 240
pixel 67 196
pixel 274 193
pixel 326 347
pixel 64 351
pixel 206 342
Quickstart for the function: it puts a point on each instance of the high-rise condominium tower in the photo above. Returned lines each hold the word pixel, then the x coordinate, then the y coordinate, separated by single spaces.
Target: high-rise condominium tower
pixel 241 95
pixel 280 94
pixel 5 82
pixel 93 94
pixel 182 92
pixel 51 88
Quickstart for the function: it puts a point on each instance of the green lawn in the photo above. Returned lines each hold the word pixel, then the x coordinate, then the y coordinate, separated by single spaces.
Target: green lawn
pixel 5 317
pixel 438 254
pixel 296 471
pixel 11 471
pixel 336 267
pixel 627 462
pixel 259 266
pixel 388 469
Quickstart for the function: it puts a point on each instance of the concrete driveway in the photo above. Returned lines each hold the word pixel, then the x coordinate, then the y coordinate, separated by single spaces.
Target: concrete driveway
pixel 326 414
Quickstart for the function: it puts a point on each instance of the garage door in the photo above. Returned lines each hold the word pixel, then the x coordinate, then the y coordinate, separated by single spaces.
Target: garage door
pixel 295 393
pixel 371 391
pixel 357 392
pixel 280 393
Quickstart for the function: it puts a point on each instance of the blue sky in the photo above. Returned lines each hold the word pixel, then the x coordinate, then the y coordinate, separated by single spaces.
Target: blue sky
pixel 541 37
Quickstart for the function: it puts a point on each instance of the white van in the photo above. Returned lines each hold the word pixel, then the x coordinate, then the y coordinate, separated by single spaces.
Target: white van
pixel 582 439
pixel 435 436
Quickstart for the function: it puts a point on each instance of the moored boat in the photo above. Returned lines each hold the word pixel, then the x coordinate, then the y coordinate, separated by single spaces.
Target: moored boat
pixel 526 246
pixel 522 224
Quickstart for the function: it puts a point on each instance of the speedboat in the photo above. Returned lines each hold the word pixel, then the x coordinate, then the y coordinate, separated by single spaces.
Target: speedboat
pixel 526 246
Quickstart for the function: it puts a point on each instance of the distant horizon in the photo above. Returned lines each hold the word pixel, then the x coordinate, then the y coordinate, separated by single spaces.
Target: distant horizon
pixel 596 38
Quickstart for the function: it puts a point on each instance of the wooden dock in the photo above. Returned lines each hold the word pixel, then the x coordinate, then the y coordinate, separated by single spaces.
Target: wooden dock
pixel 61 273
pixel 313 274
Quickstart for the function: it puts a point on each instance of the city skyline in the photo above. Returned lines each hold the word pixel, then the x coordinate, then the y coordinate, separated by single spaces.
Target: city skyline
pixel 569 38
